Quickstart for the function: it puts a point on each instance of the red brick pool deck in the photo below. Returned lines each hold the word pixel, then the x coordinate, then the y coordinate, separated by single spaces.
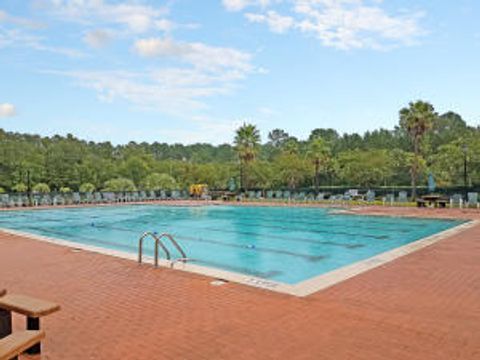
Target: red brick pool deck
pixel 425 305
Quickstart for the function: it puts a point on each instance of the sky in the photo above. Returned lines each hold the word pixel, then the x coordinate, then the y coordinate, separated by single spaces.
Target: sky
pixel 192 71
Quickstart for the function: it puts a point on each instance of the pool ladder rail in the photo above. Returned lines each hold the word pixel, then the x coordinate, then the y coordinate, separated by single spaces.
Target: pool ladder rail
pixel 159 243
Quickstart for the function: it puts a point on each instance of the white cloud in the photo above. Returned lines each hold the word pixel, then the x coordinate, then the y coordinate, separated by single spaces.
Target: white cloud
pixel 7 110
pixel 197 54
pixel 131 15
pixel 204 71
pixel 19 32
pixel 176 91
pixel 276 22
pixel 20 39
pixel 97 38
pixel 237 5
pixel 20 21
pixel 343 24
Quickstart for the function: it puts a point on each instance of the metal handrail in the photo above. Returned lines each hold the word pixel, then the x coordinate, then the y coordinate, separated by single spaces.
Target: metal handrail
pixel 177 246
pixel 157 242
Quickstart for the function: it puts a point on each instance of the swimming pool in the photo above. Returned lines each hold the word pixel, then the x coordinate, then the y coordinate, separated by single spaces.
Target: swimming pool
pixel 281 244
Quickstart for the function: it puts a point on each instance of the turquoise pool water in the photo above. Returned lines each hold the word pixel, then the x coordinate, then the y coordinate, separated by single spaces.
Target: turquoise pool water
pixel 284 244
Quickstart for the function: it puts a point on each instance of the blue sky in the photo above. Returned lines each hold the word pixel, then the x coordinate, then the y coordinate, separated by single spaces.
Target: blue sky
pixel 191 71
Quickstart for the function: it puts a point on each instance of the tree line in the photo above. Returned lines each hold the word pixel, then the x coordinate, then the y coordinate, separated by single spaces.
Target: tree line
pixel 422 143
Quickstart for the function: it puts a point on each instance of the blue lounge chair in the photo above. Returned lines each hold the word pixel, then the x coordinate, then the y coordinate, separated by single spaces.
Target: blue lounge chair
pixel 46 200
pixel 76 198
pixel 456 200
pixel 370 196
pixel 4 200
pixel 389 199
pixel 403 197
pixel 472 200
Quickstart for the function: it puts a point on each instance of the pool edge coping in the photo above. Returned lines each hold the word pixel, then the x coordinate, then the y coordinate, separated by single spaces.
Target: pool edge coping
pixel 301 289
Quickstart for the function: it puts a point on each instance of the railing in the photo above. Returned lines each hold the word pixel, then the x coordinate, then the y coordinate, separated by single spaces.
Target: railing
pixel 175 244
pixel 158 242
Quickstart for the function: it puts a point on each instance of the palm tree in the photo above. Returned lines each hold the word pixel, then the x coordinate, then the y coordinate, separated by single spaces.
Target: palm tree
pixel 318 152
pixel 247 144
pixel 417 120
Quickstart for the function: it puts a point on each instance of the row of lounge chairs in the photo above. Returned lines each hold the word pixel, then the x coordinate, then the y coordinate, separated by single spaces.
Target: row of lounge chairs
pixel 305 196
pixel 76 198
pixel 455 200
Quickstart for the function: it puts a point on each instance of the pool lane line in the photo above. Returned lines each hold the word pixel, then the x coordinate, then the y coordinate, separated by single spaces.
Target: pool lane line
pixel 296 239
pixel 284 238
pixel 311 258
pixel 132 249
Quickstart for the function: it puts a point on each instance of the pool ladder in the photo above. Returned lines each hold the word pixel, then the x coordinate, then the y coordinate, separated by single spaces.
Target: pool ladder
pixel 159 243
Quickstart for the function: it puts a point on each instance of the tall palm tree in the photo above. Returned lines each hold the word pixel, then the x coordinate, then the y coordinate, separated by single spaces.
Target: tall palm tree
pixel 318 153
pixel 247 144
pixel 417 120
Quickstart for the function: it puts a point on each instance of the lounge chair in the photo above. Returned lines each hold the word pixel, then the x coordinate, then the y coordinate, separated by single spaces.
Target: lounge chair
pixel 97 198
pixel 403 197
pixel 389 199
pixel 336 198
pixel 370 196
pixel 353 192
pixel 320 197
pixel 76 198
pixel 456 200
pixel 151 195
pixel 472 200
pixel 58 200
pixel 88 199
pixel 278 194
pixel 286 195
pixel 301 196
pixel 3 200
pixel 46 200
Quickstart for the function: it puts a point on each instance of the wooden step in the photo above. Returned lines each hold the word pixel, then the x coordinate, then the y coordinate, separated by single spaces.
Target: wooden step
pixel 16 343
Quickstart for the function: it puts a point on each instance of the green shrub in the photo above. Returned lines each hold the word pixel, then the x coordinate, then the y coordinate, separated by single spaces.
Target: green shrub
pixel 2 190
pixel 120 184
pixel 158 181
pixel 20 188
pixel 65 190
pixel 87 188
pixel 41 188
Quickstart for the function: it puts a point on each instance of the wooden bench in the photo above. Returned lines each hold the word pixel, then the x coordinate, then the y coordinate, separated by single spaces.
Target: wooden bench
pixel 17 343
pixel 32 308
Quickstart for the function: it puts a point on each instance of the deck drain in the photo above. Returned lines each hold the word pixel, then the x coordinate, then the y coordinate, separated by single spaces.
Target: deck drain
pixel 76 250
pixel 218 282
